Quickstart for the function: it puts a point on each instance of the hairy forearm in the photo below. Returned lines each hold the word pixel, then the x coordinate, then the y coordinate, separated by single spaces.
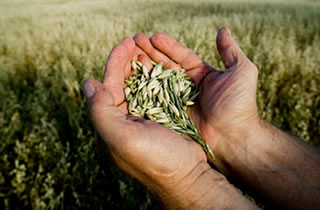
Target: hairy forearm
pixel 282 169
pixel 210 190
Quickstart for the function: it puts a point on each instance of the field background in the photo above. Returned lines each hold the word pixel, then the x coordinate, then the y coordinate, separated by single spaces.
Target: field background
pixel 48 159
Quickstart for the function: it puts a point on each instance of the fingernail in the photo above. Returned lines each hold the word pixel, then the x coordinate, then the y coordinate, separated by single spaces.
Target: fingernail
pixel 89 89
pixel 229 31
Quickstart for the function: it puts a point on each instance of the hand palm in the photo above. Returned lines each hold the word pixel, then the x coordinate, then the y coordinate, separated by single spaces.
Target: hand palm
pixel 225 102
pixel 165 162
pixel 146 150
pixel 162 152
pixel 227 99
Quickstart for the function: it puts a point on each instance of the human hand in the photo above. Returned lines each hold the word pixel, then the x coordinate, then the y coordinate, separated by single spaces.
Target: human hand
pixel 277 167
pixel 226 106
pixel 171 166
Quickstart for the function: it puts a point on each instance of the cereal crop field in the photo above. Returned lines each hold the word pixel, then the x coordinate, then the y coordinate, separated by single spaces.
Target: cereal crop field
pixel 48 158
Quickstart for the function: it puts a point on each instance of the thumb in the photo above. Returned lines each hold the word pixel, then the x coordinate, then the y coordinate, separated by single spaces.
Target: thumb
pixel 105 116
pixel 229 49
pixel 92 88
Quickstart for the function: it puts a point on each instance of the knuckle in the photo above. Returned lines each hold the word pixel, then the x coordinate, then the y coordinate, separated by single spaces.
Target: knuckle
pixel 250 66
pixel 254 68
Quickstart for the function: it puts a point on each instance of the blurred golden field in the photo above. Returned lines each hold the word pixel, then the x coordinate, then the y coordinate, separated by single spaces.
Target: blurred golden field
pixel 48 158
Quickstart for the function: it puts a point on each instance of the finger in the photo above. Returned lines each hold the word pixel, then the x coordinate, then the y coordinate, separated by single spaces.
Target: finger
pixel 145 60
pixel 229 49
pixel 131 46
pixel 117 67
pixel 139 51
pixel 107 119
pixel 116 64
pixel 176 51
pixel 145 44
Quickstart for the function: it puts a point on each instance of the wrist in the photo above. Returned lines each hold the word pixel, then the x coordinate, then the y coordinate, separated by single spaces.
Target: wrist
pixel 208 190
pixel 188 192
pixel 258 147
pixel 278 168
pixel 235 146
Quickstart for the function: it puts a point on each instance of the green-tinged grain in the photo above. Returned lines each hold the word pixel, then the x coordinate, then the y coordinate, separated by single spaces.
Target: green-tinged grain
pixel 49 47
pixel 169 96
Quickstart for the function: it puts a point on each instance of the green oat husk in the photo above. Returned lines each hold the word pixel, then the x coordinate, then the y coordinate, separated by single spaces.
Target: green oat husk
pixel 163 96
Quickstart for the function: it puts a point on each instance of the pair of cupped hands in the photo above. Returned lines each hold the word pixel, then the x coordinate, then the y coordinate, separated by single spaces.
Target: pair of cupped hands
pixel 174 167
